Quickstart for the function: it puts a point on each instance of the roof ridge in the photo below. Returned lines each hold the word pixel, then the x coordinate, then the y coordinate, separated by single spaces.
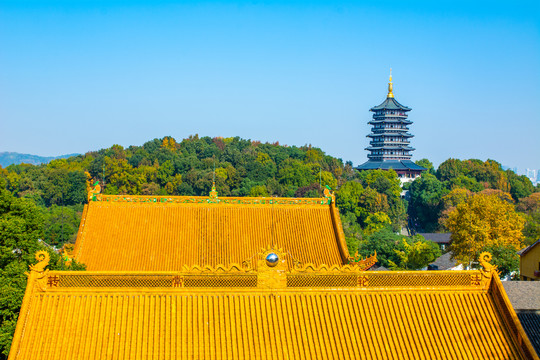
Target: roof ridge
pixel 526 249
pixel 327 200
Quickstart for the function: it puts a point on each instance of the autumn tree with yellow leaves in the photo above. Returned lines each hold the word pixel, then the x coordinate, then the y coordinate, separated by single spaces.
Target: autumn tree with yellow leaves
pixel 484 221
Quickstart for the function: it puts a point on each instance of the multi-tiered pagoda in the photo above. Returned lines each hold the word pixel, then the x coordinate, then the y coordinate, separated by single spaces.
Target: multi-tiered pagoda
pixel 390 140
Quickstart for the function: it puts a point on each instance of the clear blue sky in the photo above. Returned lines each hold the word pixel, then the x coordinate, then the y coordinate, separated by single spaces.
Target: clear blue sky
pixel 83 75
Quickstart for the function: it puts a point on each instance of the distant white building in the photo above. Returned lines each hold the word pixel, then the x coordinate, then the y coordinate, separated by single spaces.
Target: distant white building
pixel 533 175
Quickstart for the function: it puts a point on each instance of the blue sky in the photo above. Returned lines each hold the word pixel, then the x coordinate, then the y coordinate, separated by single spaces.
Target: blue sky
pixel 77 76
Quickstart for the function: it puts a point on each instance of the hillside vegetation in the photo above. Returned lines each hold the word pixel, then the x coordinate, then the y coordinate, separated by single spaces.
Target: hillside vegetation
pixel 45 201
pixel 369 201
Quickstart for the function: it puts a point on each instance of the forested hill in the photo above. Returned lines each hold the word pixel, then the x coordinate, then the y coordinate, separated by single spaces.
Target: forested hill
pixel 10 158
pixel 368 201
pixel 167 167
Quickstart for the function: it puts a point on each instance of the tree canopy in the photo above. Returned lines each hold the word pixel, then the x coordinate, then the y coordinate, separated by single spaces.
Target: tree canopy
pixel 484 220
pixel 398 252
pixel 21 228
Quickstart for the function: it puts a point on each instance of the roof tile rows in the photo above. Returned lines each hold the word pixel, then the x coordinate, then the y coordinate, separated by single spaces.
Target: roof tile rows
pixel 390 104
pixel 67 320
pixel 153 237
pixel 269 307
pixel 531 324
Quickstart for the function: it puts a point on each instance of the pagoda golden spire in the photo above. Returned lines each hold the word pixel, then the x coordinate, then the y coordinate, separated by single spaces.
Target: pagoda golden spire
pixel 390 86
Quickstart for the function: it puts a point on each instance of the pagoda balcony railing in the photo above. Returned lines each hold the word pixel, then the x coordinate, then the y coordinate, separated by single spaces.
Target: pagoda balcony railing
pixel 397 158
pixel 382 143
pixel 390 116
pixel 390 112
pixel 386 156
pixel 389 129
pixel 387 120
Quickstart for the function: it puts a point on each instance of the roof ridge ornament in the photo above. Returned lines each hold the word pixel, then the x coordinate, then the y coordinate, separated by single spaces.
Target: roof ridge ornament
pixel 358 260
pixel 213 198
pixel 67 252
pixel 329 195
pixel 174 199
pixel 43 259
pixel 272 268
pixel 95 192
pixel 38 274
pixel 484 260
pixel 390 86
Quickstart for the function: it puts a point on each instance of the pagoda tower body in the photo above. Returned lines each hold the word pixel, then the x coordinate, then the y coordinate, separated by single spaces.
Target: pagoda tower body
pixel 389 146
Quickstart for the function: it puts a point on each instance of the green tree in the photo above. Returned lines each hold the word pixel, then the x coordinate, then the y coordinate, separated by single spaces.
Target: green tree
pixel 449 203
pixel 425 204
pixel 348 197
pixel 531 229
pixel 530 206
pixel 327 178
pixel 450 169
pixel 165 172
pixel 62 187
pixel 296 173
pixel 258 190
pixel 60 224
pixel 417 253
pixel 353 232
pixel 371 202
pixel 376 222
pixel 465 182
pixel 426 164
pixel 383 242
pixel 384 181
pixel 21 225
pixel 520 186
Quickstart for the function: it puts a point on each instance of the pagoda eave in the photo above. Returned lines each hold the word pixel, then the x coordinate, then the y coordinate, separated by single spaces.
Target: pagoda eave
pixel 403 121
pixel 390 134
pixel 387 147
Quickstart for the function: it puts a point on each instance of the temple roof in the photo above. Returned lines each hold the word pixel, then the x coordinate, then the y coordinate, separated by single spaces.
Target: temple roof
pixel 306 312
pixel 439 238
pixel 525 299
pixel 391 164
pixel 145 233
pixel 444 262
pixel 524 251
pixel 524 295
pixel 390 104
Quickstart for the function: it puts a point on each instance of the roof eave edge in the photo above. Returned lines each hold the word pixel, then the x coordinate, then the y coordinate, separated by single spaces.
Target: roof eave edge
pixel 509 316
pixel 340 235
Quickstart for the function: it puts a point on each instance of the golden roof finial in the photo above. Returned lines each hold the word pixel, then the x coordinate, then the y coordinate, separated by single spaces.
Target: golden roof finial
pixel 390 87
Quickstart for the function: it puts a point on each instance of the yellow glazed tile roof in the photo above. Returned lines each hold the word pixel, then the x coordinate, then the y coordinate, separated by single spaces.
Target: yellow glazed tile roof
pixel 273 312
pixel 165 233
